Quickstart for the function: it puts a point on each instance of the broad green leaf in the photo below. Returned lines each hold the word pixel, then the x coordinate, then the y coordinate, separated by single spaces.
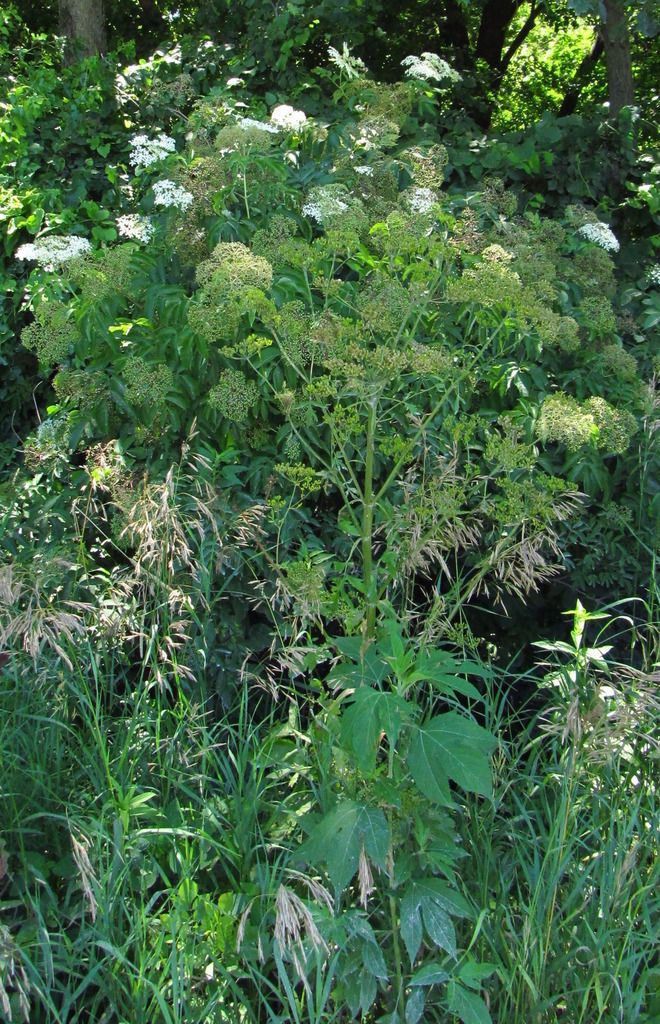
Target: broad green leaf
pixel 467 1005
pixel 429 974
pixel 439 926
pixel 411 924
pixel 374 960
pixel 338 838
pixel 415 1006
pixel 451 746
pixel 368 990
pixel 371 714
pixel 446 897
pixel 473 973
pixel 447 674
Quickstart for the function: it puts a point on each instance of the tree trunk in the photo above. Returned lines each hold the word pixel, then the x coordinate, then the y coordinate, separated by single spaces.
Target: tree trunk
pixel 454 26
pixel 495 20
pixel 587 64
pixel 82 22
pixel 614 30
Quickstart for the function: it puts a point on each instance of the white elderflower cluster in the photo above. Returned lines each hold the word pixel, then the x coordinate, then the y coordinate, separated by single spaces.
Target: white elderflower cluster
pixel 366 170
pixel 600 234
pixel 146 151
pixel 286 117
pixel 261 126
pixel 653 275
pixel 167 193
pixel 324 203
pixel 421 200
pixel 349 65
pixel 430 68
pixel 53 250
pixel 134 225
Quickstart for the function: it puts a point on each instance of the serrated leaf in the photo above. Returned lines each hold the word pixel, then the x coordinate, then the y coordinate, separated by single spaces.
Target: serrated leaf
pixel 439 926
pixel 338 838
pixel 446 897
pixel 368 990
pixel 429 974
pixel 371 714
pixel 467 1005
pixel 451 746
pixel 411 924
pixel 415 1006
pixel 374 960
pixel 446 673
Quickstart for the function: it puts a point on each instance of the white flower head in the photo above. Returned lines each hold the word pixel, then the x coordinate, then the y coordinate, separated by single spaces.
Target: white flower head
pixel 51 251
pixel 421 200
pixel 146 151
pixel 600 234
pixel 430 68
pixel 286 117
pixel 250 122
pixel 168 194
pixel 349 65
pixel 325 202
pixel 366 170
pixel 134 225
pixel 234 82
pixel 653 275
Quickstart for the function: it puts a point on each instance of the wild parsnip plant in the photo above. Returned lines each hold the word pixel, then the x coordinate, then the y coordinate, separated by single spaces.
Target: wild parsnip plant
pixel 311 414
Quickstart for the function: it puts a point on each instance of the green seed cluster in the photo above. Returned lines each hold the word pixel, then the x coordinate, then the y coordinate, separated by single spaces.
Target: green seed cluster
pixel 244 139
pixel 384 305
pixel 292 449
pixel 52 335
pixel 234 396
pixel 616 427
pixel 270 242
pixel 380 100
pixel 377 131
pixel 378 190
pixel 564 420
pixel 427 167
pixel 431 360
pixel 621 364
pixel 593 270
pixel 105 274
pixel 147 384
pixel 490 284
pixel 85 390
pixel 500 199
pixel 292 325
pixel 598 316
pixel 232 267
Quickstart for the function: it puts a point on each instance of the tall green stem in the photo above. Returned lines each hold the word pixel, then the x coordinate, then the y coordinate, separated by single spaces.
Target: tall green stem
pixel 368 523
pixel 400 997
